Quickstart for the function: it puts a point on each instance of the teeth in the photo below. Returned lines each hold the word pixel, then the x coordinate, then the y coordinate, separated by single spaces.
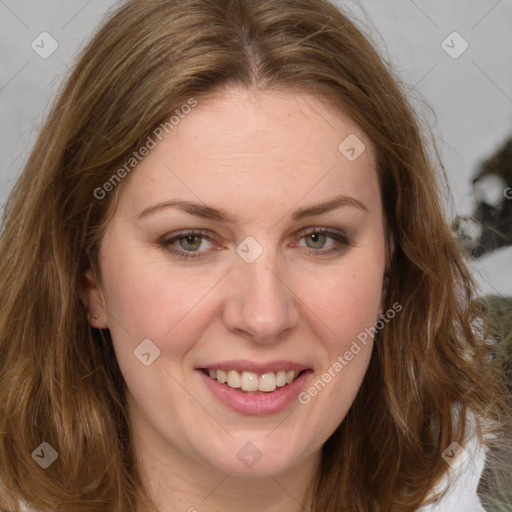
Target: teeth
pixel 281 378
pixel 267 382
pixel 250 381
pixel 234 379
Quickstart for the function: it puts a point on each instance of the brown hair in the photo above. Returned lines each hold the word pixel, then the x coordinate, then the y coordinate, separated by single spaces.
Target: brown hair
pixel 60 382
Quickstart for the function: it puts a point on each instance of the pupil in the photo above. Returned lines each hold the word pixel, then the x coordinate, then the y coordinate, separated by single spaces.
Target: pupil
pixel 318 239
pixel 191 242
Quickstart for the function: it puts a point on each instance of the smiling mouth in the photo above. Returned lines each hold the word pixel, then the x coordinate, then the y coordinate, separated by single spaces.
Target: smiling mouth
pixel 250 382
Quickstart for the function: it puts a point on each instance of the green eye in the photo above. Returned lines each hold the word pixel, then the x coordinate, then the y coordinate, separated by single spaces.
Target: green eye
pixel 318 240
pixel 190 242
pixel 323 242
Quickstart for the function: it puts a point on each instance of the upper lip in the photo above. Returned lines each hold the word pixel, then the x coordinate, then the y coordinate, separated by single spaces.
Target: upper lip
pixel 241 365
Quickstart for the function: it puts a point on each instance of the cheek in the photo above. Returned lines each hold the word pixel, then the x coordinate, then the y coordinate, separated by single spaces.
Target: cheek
pixel 148 299
pixel 346 303
pixel 343 312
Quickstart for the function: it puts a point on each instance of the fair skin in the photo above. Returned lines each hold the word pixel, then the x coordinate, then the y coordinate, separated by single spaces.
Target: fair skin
pixel 259 156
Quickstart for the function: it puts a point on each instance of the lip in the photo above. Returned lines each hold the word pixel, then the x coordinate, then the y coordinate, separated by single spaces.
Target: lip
pixel 255 403
pixel 242 365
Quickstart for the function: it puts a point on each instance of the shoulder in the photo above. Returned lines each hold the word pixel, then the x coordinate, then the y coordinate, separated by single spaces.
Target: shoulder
pixel 24 507
pixel 462 479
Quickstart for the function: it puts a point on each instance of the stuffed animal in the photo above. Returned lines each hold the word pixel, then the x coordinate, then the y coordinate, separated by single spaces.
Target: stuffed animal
pixel 490 225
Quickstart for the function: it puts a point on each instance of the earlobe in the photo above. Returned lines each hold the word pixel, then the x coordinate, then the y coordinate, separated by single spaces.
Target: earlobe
pixel 93 300
pixel 95 319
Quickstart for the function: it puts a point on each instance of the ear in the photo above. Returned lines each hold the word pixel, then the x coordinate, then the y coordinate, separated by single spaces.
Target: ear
pixel 93 299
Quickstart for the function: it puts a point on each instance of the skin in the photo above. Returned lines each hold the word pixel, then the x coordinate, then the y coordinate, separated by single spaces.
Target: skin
pixel 259 156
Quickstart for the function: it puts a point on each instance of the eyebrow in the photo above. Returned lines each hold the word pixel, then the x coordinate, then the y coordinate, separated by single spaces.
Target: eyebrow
pixel 217 214
pixel 327 206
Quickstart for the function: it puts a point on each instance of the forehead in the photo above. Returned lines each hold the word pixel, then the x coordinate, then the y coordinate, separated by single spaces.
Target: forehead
pixel 238 145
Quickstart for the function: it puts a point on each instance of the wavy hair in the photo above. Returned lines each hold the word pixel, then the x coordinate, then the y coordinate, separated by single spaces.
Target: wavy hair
pixel 60 382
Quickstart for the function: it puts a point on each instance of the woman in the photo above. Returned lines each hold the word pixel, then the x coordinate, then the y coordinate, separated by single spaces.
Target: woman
pixel 227 282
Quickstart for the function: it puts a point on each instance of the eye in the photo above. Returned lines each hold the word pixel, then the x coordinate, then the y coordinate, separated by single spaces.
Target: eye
pixel 323 241
pixel 192 242
pixel 188 244
pixel 318 240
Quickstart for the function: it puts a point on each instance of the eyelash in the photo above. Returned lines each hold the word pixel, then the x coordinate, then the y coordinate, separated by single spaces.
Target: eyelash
pixel 337 236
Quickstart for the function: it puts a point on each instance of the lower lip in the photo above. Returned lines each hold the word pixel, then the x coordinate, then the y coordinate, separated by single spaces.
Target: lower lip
pixel 257 403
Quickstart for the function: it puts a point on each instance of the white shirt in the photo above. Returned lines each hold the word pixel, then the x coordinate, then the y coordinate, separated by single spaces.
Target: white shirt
pixel 462 480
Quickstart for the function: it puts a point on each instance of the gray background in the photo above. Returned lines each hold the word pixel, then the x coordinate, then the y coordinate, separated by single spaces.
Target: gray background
pixel 465 101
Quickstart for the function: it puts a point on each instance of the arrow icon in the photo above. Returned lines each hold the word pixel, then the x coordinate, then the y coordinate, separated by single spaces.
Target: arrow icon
pixel 352 147
pixel 45 455
pixel 44 45
pixel 455 455
pixel 249 249
pixel 147 352
pixel 454 45
pixel 249 455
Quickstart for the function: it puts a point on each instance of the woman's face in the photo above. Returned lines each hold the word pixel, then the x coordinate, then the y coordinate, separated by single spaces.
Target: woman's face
pixel 250 240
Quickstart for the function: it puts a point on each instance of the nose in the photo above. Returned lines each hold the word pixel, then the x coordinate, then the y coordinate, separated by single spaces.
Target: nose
pixel 261 305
